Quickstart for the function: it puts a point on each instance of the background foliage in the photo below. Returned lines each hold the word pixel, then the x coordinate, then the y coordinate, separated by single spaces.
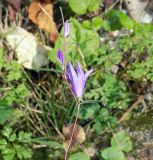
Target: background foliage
pixel 34 106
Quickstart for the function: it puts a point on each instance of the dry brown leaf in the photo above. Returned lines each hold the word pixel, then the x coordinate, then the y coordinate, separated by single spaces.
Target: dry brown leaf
pixel 79 133
pixel 41 13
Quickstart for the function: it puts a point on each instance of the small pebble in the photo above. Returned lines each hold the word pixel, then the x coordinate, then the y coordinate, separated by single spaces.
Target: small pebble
pixel 114 69
pixel 148 97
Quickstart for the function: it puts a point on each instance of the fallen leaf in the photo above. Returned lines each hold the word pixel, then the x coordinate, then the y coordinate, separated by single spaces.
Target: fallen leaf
pixel 30 53
pixel 41 13
pixel 79 133
pixel 90 151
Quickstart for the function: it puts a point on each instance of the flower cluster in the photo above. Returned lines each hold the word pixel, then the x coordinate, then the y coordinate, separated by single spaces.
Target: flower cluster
pixel 76 78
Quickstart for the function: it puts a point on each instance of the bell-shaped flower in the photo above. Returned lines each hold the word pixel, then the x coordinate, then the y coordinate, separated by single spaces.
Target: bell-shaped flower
pixel 60 56
pixel 77 79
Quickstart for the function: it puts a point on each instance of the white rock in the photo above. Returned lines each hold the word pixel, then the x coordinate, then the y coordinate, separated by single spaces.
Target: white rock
pixel 146 17
pixel 30 53
pixel 136 8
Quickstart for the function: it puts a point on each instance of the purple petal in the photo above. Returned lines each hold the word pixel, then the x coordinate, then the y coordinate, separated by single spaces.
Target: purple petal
pixel 72 77
pixel 66 28
pixel 80 75
pixel 77 79
pixel 86 76
pixel 71 71
pixel 79 69
pixel 80 86
pixel 88 73
pixel 60 56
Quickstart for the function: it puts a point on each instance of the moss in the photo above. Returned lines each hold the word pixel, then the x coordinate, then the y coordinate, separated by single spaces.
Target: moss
pixel 142 122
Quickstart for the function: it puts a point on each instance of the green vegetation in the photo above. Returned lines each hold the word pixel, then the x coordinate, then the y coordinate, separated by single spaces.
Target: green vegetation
pixel 120 143
pixel 34 106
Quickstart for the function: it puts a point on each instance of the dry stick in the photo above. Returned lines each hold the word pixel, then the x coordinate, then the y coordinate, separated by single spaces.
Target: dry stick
pixel 73 130
pixel 112 6
pixel 42 8
pixel 31 109
pixel 125 116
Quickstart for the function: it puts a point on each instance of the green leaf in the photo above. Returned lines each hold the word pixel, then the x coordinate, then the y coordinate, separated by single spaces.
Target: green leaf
pixel 93 5
pixel 23 152
pixel 1 58
pixel 81 7
pixel 51 144
pixel 17 94
pixel 24 137
pixel 103 115
pixel 27 153
pixel 6 112
pixel 79 156
pixel 122 141
pixel 111 153
pixel 14 71
pixel 88 110
pixel 12 138
pixel 97 23
pixel 78 6
pixel 146 28
pixel 8 154
pixel 117 20
pixel 98 127
pixel 3 144
pixel 82 42
pixel 6 132
pixel 87 24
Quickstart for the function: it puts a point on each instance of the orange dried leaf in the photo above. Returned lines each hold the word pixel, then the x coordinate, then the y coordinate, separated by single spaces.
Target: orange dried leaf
pixel 42 15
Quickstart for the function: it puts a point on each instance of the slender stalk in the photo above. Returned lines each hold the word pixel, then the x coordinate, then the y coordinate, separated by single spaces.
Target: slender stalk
pixel 65 43
pixel 82 57
pixel 73 131
pixel 65 53
pixel 76 100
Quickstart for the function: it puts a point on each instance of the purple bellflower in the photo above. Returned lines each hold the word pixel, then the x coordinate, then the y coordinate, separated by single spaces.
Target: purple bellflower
pixel 77 79
pixel 60 56
pixel 66 28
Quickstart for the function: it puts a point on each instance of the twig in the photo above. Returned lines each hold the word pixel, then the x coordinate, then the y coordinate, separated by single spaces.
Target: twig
pixel 31 109
pixel 42 8
pixel 112 6
pixel 125 116
pixel 73 130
